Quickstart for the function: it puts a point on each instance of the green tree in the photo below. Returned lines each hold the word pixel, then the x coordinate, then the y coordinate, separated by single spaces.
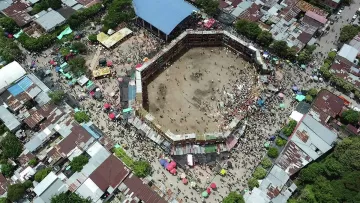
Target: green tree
pixel 266 163
pixel 81 117
pixel 259 173
pixel 273 152
pixel 9 25
pixel 57 96
pixel 233 197
pixel 41 174
pixel 92 38
pixel 142 168
pixel 304 57
pixel 11 147
pixel 347 33
pixel 4 200
pixel 249 29
pixel 118 11
pixel 313 92
pixel 265 38
pixel 69 197
pixel 77 66
pixel 78 18
pixel 7 169
pixel 210 6
pixel 350 116
pixel 78 163
pixel 309 98
pixel 309 173
pixel 79 46
pixel 28 184
pixel 280 142
pixel 333 168
pixel 33 162
pixel 253 182
pixel 280 48
pixel 324 70
pixel 332 55
pixel 16 192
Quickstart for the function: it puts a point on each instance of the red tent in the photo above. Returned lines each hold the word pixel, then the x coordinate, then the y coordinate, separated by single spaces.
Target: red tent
pixel 213 185
pixel 109 63
pixel 106 105
pixel 170 167
pixel 208 191
pixel 173 171
pixel 138 65
pixel 173 163
pixel 52 62
pixel 112 116
pixel 185 181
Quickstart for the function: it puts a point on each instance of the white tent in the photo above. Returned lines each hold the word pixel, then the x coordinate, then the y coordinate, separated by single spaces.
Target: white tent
pixel 9 74
pixel 296 116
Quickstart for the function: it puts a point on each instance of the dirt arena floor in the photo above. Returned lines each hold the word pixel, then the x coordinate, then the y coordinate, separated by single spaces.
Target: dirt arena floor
pixel 184 98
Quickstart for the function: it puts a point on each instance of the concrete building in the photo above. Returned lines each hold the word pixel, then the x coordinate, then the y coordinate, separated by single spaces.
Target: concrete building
pixel 49 20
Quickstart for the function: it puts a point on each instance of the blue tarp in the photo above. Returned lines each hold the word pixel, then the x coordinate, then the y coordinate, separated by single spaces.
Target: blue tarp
pixel 92 133
pixel 165 15
pixel 260 102
pixel 20 87
pixel 132 92
pixel 57 69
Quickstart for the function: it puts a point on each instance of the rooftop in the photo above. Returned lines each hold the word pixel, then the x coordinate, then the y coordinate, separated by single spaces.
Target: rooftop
pixel 329 103
pixel 309 141
pixel 18 12
pixel 348 52
pixel 109 41
pixel 3 184
pixel 163 14
pixel 10 121
pixel 316 17
pixel 9 74
pixel 50 20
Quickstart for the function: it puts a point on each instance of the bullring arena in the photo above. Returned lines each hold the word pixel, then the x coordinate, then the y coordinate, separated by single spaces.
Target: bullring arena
pixel 189 91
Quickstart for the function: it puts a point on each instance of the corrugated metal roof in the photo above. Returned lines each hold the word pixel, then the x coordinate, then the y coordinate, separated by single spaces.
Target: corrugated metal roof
pixel 10 73
pixel 165 15
pixel 45 183
pixel 50 20
pixel 9 119
pixel 348 52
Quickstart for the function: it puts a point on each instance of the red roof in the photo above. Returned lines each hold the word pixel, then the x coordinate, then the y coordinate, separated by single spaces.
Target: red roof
pixel 252 14
pixel 110 173
pixel 137 188
pixel 304 37
pixel 236 2
pixel 316 17
pixel 3 184
pixel 329 103
pixel 78 137
pixel 17 11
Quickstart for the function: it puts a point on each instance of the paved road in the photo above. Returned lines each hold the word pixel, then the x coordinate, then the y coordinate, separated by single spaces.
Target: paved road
pixel 329 41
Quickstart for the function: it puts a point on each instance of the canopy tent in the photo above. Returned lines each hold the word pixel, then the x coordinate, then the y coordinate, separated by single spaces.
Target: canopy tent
pixel 109 63
pixel 185 181
pixel 300 97
pixel 267 144
pixel 57 69
pixel 173 171
pixel 173 163
pixel 204 194
pixel 295 88
pixel 138 65
pixel 166 165
pixel 162 162
pixel 107 106
pixel 208 190
pixel 281 95
pixel 192 184
pixel 303 66
pixel 260 102
pixel 67 31
pixel 296 116
pixel 223 172
pixel 112 116
pixel 282 105
pixel 213 186
pixel 183 175
pixel 169 167
pixel 299 93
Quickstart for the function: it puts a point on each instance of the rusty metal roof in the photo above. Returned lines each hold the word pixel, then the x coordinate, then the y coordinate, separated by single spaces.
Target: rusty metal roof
pixel 329 103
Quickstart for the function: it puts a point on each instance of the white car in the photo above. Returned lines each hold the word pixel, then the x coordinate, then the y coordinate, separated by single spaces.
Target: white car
pixel 339 12
pixel 354 17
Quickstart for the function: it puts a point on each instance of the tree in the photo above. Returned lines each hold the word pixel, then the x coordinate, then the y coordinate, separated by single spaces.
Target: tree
pixel 253 182
pixel 249 29
pixel 57 96
pixel 92 38
pixel 77 66
pixel 69 197
pixel 81 117
pixel 83 15
pixel 79 46
pixel 233 197
pixel 4 200
pixel 350 116
pixel 7 170
pixel 142 168
pixel 333 168
pixel 291 53
pixel 265 38
pixel 280 142
pixel 309 173
pixel 312 92
pixel 78 163
pixel 347 33
pixel 266 163
pixel 16 192
pixel 273 152
pixel 308 98
pixel 280 48
pixel 332 55
pixel 41 174
pixel 33 162
pixel 304 57
pixel 28 184
pixel 11 147
pixel 259 173
pixel 9 25
pixel 210 6
pixel 118 11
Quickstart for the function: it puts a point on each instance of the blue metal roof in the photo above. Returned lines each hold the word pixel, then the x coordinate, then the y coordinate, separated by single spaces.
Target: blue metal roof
pixel 165 15
pixel 20 87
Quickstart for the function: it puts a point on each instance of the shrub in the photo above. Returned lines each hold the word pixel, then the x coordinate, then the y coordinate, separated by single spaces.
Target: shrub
pixel 273 152
pixel 266 163
pixel 81 117
pixel 280 142
pixel 78 163
pixel 259 173
pixel 253 183
pixel 41 174
pixel 32 162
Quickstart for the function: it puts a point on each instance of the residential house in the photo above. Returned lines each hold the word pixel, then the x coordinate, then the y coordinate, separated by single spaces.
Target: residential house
pixel 49 20
pixel 50 186
pixel 18 11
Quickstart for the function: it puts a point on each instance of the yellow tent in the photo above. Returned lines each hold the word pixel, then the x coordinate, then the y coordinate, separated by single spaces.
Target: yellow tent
pixel 223 172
